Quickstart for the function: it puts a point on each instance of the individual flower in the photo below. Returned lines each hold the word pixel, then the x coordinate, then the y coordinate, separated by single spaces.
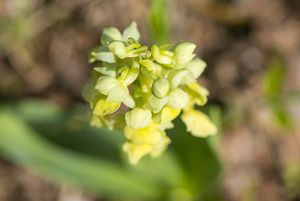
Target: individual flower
pixel 141 90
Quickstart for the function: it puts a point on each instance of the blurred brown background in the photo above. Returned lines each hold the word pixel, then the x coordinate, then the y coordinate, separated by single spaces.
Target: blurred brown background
pixel 43 53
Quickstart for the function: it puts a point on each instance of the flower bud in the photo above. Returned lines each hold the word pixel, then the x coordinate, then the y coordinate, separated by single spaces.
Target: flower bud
pixel 138 118
pixel 160 87
pixel 178 98
pixel 184 53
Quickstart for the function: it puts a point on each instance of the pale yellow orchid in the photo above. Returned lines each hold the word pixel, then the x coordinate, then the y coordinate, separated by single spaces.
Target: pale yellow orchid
pixel 154 85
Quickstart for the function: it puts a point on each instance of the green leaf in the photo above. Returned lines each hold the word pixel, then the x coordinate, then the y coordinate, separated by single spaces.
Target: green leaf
pixel 151 169
pixel 200 164
pixel 24 146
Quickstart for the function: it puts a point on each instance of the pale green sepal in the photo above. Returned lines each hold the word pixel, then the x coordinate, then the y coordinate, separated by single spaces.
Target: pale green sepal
pixel 105 84
pixel 108 57
pixel 184 53
pixel 110 34
pixel 159 56
pixel 196 67
pixel 153 69
pixel 178 98
pixel 176 76
pixel 118 94
pixel 129 102
pixel 156 104
pixel 88 92
pixel 111 71
pixel 118 48
pixel 131 32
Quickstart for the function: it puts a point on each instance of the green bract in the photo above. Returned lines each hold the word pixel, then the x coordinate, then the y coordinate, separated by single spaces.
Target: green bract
pixel 154 84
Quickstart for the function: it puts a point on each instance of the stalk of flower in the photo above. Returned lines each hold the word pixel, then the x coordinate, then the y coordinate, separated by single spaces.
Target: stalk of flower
pixel 155 85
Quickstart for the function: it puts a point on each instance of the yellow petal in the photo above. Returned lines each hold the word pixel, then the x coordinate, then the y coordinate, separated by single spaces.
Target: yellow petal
pixel 96 121
pixel 160 147
pixel 198 123
pixel 138 118
pixel 197 93
pixel 136 151
pixel 101 121
pixel 104 107
pixel 178 98
pixel 167 115
pixel 150 140
pixel 151 134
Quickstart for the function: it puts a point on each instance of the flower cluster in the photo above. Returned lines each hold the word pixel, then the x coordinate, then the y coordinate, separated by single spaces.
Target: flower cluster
pixel 141 90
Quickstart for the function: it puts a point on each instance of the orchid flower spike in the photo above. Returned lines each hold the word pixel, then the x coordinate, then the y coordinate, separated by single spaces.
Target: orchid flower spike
pixel 154 85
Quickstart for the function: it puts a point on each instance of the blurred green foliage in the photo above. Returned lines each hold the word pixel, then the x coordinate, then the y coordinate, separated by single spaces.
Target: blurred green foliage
pixel 273 90
pixel 274 78
pixel 59 144
pixel 15 27
pixel 159 21
pixel 291 176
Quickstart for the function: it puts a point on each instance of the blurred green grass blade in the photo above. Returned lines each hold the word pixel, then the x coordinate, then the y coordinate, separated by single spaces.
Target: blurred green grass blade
pixel 73 132
pixel 164 170
pixel 215 114
pixel 198 160
pixel 37 111
pixel 272 84
pixel 22 145
pixel 69 128
pixel 159 21
pixel 281 115
pixel 274 78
